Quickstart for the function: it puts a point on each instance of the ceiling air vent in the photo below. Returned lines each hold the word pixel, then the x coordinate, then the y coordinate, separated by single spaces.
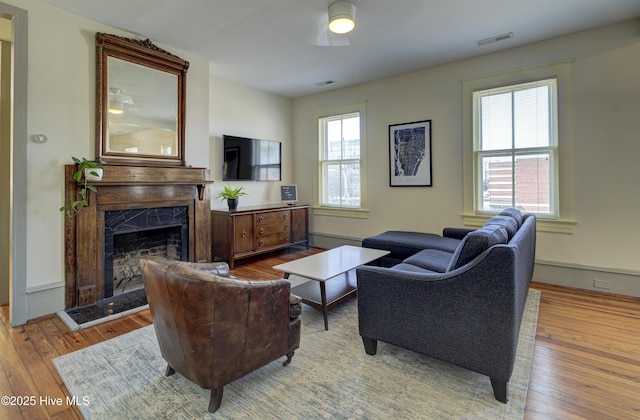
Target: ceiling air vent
pixel 495 39
pixel 328 82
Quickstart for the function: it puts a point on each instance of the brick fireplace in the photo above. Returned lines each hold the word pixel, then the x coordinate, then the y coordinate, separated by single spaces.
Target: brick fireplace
pixel 138 211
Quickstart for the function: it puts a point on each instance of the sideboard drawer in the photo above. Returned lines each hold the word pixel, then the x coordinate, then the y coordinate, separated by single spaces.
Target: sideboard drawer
pixel 267 241
pixel 273 218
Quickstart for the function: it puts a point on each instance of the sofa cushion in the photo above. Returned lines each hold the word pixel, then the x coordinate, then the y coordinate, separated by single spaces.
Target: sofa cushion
pixel 476 242
pixel 404 244
pixel 515 213
pixel 509 223
pixel 431 259
pixel 412 268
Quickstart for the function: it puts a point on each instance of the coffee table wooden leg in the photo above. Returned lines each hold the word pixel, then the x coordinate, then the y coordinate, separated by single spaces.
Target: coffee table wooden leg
pixel 325 310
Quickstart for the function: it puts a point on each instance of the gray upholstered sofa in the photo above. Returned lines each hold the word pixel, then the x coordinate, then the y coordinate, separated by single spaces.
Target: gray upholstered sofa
pixel 460 304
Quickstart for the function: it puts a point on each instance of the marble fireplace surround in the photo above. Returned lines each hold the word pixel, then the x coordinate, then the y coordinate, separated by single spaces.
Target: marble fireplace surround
pixel 129 187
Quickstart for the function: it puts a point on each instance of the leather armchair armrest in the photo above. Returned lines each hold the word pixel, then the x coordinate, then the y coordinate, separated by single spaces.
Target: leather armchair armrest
pixel 218 268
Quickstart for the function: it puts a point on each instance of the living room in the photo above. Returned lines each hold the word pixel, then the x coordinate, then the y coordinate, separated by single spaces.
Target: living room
pixel 596 175
pixel 598 149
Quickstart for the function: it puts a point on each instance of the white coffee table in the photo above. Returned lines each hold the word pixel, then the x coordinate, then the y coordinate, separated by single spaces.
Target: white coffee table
pixel 330 269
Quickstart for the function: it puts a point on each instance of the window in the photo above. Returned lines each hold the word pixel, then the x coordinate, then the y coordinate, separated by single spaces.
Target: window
pixel 340 160
pixel 512 153
pixel 515 147
pixel 341 169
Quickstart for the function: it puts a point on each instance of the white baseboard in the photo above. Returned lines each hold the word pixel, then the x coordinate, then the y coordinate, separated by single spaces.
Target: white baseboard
pixel 45 300
pixel 601 279
pixel 325 241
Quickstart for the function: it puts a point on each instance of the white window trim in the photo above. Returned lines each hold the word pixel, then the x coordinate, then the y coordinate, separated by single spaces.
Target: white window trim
pixel 551 149
pixel 321 210
pixel 561 70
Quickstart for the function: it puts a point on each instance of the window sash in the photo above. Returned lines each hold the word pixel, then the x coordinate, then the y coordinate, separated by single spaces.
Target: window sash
pixel 343 192
pixel 510 172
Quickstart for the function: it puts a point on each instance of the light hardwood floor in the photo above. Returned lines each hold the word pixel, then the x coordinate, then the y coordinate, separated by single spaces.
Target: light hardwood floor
pixel 586 361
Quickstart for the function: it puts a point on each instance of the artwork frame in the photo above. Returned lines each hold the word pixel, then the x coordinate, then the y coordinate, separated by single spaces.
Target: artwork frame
pixel 410 151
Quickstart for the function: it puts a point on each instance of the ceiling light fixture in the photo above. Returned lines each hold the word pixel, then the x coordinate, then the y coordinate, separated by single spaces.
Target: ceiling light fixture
pixel 341 17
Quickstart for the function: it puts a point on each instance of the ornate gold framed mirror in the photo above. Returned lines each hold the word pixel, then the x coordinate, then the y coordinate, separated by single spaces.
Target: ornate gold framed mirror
pixel 140 102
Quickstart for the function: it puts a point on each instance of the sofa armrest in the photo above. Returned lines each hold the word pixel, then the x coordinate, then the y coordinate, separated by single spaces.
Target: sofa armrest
pixel 456 233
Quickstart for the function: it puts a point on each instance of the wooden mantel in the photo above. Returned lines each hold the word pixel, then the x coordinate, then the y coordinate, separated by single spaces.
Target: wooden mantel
pixel 129 187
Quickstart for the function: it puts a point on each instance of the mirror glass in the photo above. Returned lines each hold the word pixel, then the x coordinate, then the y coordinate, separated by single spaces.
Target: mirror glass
pixel 143 110
pixel 140 102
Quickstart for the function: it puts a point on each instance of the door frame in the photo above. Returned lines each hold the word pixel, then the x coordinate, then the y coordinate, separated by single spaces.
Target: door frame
pixel 17 190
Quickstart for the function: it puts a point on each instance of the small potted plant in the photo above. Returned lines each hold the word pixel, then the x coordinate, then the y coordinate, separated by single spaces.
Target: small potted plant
pixel 87 170
pixel 231 195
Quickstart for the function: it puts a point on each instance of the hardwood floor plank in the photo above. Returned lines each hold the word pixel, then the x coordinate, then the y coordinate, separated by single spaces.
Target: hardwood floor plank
pixel 46 384
pixel 19 380
pixel 7 411
pixel 585 362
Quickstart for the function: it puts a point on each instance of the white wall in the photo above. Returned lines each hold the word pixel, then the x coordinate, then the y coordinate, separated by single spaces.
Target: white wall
pixel 239 110
pixel 605 170
pixel 61 104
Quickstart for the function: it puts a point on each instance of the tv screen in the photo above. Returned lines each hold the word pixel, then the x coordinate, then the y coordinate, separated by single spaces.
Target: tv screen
pixel 246 159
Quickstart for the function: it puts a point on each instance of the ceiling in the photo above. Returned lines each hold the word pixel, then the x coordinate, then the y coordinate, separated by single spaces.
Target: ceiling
pixel 282 46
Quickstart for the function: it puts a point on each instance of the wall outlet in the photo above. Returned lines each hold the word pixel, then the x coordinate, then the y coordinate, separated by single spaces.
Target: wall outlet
pixel 602 284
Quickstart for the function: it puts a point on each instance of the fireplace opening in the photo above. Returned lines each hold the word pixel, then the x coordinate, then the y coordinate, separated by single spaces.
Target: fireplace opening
pixel 128 248
pixel 136 233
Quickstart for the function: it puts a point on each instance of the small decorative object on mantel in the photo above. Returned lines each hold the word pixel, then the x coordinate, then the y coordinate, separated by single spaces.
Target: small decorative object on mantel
pixel 231 195
pixel 410 154
pixel 87 170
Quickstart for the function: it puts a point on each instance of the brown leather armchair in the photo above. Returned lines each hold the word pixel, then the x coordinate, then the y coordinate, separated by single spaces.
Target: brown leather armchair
pixel 213 329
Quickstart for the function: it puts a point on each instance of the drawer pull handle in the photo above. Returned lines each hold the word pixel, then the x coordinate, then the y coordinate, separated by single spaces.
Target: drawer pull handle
pixel 300 225
pixel 261 231
pixel 244 233
pixel 286 216
pixel 261 242
pixel 261 218
pixel 286 227
pixel 286 238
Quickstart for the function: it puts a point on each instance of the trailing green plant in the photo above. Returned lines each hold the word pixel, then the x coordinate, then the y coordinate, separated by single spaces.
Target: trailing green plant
pixel 229 193
pixel 79 176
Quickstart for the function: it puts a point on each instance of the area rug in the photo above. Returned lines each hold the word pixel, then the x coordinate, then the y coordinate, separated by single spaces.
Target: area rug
pixel 330 377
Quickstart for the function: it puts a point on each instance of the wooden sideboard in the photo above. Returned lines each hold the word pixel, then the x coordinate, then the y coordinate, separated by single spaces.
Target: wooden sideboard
pixel 251 231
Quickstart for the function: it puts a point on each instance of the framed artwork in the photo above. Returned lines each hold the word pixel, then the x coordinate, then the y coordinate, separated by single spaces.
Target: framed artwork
pixel 410 154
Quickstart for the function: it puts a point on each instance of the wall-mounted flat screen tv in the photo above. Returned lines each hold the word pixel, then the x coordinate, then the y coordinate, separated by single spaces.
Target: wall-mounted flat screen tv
pixel 245 159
